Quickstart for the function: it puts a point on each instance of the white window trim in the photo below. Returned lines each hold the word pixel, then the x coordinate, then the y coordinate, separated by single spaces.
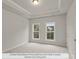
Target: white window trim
pixel 49 31
pixel 35 31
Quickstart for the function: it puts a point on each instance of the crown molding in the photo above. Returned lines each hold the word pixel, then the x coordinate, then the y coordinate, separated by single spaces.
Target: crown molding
pixel 26 13
pixel 49 13
pixel 15 6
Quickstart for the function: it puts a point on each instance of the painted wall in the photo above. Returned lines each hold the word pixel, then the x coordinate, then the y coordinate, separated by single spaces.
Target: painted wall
pixel 71 30
pixel 60 32
pixel 15 30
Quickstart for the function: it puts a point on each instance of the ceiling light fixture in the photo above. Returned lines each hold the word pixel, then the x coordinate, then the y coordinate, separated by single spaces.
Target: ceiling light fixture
pixel 35 2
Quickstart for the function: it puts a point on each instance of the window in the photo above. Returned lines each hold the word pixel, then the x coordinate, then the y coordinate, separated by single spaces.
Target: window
pixel 35 31
pixel 50 31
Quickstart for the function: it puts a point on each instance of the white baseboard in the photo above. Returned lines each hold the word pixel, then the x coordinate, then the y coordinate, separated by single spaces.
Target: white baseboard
pixel 14 47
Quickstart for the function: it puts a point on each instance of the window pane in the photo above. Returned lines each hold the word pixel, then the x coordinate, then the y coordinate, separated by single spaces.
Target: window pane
pixel 50 35
pixel 36 27
pixel 36 34
pixel 50 28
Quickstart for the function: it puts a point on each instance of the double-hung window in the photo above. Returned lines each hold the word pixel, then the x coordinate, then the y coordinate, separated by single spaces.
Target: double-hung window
pixel 50 31
pixel 36 31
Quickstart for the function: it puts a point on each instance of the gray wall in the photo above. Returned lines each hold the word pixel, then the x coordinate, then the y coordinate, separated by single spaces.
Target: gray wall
pixel 60 32
pixel 71 30
pixel 15 30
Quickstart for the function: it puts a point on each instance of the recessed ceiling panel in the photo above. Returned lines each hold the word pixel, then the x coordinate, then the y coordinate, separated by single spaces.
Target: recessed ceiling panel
pixel 43 7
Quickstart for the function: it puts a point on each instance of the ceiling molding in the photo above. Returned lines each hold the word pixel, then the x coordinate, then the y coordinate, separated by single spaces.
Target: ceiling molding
pixel 14 5
pixel 49 13
pixel 45 14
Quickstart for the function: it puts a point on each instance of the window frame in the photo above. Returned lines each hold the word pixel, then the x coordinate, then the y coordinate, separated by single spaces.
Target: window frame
pixel 49 31
pixel 35 31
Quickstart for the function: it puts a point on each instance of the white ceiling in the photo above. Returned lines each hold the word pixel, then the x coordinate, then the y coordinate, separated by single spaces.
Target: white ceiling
pixel 45 7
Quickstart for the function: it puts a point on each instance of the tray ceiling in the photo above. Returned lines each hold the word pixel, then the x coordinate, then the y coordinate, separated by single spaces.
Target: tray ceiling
pixel 45 7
